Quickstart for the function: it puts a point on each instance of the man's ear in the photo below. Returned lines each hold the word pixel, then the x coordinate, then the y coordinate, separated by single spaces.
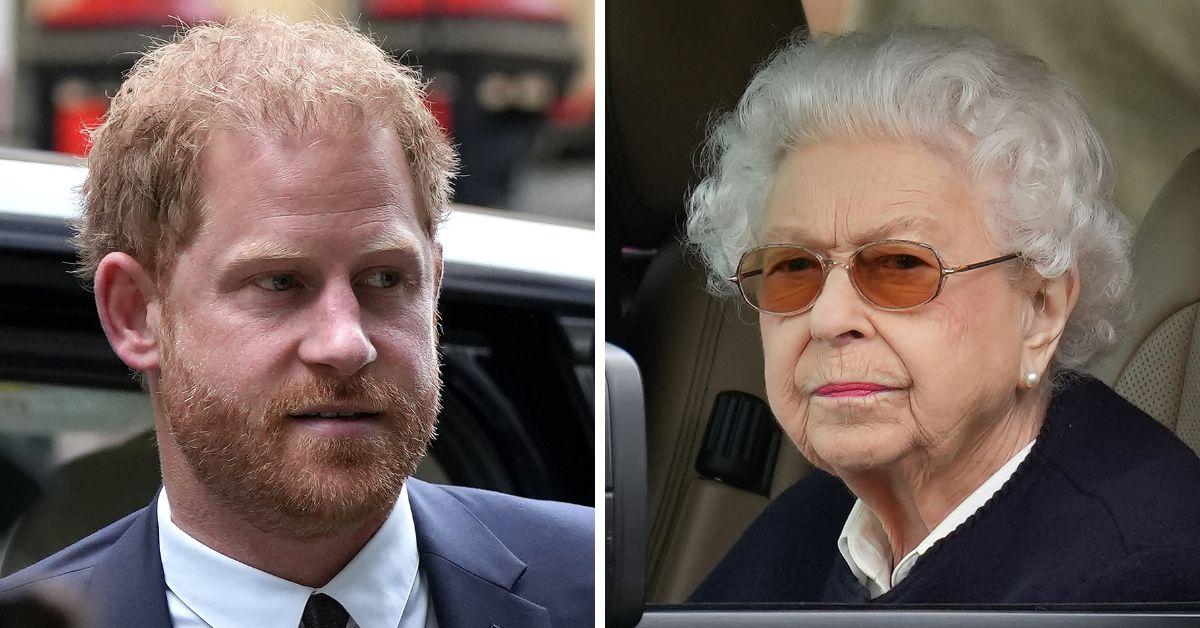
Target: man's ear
pixel 438 268
pixel 129 310
pixel 1052 302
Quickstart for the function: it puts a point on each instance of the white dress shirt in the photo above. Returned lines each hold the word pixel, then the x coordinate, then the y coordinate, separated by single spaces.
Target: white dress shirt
pixel 382 587
pixel 864 543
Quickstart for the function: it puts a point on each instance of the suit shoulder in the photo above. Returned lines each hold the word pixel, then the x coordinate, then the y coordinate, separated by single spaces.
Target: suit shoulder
pixel 69 567
pixel 556 541
pixel 553 540
pixel 529 515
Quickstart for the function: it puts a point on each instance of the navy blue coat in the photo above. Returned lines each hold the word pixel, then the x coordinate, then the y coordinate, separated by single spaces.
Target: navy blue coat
pixel 490 559
pixel 1106 508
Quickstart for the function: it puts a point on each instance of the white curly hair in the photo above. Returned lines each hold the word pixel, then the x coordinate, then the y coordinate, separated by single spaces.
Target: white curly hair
pixel 1019 132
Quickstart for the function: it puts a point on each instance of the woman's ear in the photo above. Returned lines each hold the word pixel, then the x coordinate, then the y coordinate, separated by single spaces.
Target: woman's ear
pixel 128 305
pixel 1052 302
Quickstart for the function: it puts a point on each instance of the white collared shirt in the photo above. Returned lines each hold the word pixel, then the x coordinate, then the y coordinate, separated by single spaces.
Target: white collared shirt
pixel 381 587
pixel 864 543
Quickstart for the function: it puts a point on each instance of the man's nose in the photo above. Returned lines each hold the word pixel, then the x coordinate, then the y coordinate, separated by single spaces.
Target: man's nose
pixel 838 316
pixel 336 337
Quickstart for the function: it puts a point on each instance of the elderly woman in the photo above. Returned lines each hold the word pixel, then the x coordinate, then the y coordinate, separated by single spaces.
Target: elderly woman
pixel 924 221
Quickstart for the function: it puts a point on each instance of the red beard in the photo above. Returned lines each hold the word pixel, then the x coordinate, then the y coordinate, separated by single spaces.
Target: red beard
pixel 257 461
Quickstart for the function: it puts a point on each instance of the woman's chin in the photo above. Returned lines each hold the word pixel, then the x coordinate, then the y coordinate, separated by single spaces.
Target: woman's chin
pixel 849 449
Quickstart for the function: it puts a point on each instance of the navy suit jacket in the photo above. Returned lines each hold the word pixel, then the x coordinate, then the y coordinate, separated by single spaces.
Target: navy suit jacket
pixel 490 559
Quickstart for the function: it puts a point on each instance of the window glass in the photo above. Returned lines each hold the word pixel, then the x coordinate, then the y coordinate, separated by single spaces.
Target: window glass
pixel 693 349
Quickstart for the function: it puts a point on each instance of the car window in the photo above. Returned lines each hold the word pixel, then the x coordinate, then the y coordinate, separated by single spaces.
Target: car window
pixel 50 427
pixel 701 356
pixel 510 81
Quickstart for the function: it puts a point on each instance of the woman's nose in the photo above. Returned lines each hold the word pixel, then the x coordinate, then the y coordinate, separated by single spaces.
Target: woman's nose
pixel 336 337
pixel 838 315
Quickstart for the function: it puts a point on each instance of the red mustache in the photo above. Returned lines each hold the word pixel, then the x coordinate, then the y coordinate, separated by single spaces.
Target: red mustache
pixel 362 394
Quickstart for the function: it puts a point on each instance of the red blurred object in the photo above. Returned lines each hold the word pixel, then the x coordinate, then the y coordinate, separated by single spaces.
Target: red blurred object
pixel 574 110
pixel 441 105
pixel 524 10
pixel 71 117
pixel 110 13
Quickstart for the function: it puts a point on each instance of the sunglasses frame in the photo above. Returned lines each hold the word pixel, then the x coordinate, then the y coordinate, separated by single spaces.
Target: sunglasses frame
pixel 827 264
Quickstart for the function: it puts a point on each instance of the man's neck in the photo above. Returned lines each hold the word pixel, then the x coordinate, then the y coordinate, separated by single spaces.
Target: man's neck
pixel 309 561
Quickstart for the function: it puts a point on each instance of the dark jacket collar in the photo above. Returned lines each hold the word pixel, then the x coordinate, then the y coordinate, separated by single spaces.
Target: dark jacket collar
pixel 471 572
pixel 127 584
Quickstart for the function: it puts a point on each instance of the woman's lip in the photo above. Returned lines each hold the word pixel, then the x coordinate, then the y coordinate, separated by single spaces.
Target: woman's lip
pixel 851 389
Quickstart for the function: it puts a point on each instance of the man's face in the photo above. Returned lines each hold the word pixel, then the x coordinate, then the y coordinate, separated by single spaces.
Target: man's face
pixel 299 375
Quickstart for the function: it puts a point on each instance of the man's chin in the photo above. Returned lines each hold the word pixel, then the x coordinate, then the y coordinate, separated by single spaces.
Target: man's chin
pixel 322 495
pixel 306 484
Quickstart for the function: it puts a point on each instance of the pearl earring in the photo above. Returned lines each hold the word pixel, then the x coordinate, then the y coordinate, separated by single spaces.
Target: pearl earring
pixel 1031 379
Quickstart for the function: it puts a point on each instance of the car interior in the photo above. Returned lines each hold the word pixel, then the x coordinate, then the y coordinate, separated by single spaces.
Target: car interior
pixel 700 358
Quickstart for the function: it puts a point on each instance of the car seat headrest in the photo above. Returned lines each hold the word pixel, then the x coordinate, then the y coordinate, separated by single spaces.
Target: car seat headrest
pixel 1166 264
pixel 656 113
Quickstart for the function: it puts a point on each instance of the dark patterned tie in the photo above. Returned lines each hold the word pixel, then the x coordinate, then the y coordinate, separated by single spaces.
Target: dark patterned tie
pixel 323 611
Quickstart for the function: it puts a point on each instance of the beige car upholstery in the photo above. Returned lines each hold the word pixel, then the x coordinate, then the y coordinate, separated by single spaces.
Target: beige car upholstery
pixel 690 347
pixel 1158 365
pixel 656 112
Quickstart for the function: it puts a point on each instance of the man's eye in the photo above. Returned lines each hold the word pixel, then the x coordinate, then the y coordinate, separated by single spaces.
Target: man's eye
pixel 382 278
pixel 281 282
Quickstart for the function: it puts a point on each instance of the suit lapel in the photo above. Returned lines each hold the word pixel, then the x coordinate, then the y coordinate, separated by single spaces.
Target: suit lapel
pixel 128 587
pixel 471 573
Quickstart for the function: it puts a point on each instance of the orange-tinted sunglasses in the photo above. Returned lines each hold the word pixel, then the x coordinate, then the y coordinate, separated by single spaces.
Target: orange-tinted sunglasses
pixel 889 274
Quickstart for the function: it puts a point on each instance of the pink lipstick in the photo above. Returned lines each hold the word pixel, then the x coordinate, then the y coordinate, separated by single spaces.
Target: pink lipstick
pixel 850 389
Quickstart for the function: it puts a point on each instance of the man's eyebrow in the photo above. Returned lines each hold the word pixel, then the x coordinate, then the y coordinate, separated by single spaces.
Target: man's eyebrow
pixel 267 251
pixel 261 251
pixel 389 240
pixel 795 234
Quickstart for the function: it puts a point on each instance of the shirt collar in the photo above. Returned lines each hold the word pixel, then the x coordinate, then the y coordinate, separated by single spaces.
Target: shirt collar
pixel 864 545
pixel 374 586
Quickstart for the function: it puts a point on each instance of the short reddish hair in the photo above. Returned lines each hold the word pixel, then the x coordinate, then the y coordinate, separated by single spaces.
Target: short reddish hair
pixel 257 74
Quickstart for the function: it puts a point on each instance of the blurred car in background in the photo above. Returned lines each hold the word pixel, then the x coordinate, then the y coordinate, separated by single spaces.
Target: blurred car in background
pixel 504 78
pixel 76 447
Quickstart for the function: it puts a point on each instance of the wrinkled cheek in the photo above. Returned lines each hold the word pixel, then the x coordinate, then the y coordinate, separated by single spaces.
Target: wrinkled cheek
pixel 777 378
pixel 781 355
pixel 795 425
pixel 952 320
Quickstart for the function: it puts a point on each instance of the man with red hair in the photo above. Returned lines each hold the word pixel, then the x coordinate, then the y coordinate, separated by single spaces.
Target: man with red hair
pixel 261 217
